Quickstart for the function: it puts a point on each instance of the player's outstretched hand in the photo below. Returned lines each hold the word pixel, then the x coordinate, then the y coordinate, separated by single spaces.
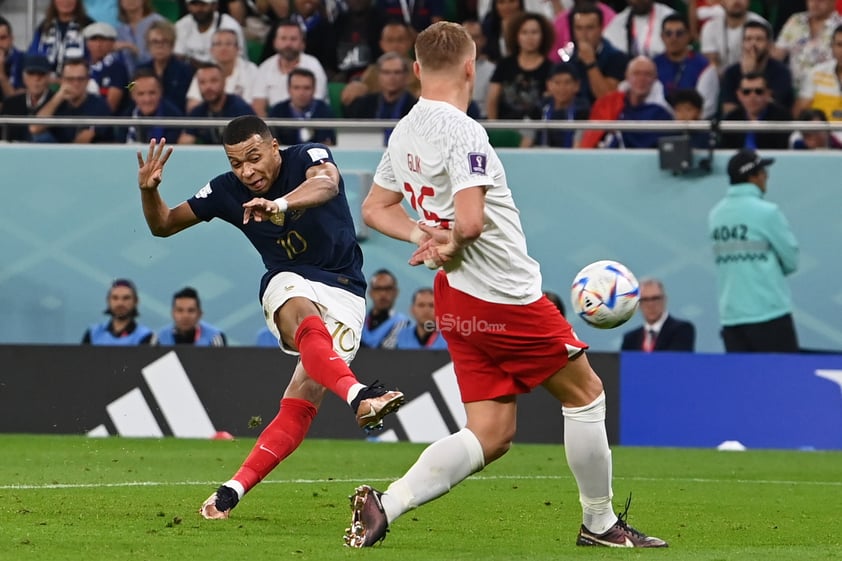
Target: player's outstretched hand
pixel 260 210
pixel 150 172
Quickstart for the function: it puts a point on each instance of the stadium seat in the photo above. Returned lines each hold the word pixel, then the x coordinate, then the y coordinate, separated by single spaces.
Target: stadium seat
pixel 500 138
pixel 334 91
pixel 168 8
pixel 254 50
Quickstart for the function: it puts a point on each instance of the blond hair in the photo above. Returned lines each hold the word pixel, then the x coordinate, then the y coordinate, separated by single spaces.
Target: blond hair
pixel 443 45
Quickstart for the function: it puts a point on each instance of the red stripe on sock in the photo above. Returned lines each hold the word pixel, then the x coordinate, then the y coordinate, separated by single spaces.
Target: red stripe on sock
pixel 320 360
pixel 278 440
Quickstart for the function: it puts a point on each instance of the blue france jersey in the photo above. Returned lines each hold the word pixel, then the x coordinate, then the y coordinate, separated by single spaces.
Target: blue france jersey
pixel 317 243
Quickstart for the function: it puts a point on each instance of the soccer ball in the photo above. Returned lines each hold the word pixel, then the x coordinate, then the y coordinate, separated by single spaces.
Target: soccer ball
pixel 605 294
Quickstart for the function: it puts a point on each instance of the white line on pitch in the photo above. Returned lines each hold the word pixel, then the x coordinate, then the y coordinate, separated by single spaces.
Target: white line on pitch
pixel 381 479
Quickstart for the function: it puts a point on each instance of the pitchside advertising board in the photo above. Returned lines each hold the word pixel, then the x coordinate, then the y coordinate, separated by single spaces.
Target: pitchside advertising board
pixel 761 401
pixel 192 392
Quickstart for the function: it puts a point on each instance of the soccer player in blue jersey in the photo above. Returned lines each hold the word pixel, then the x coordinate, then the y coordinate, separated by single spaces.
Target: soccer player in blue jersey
pixel 291 206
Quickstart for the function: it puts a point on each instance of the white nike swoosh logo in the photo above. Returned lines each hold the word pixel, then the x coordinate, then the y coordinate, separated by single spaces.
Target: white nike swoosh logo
pixel 335 358
pixel 262 447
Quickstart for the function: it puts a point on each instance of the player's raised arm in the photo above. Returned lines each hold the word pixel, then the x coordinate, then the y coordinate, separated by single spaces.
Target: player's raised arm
pixel 383 211
pixel 162 220
pixel 320 186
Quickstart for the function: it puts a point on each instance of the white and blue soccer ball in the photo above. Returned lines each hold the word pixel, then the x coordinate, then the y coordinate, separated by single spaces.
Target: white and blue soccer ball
pixel 605 294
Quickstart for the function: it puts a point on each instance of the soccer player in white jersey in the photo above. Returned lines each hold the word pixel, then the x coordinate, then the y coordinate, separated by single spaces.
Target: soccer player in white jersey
pixel 504 336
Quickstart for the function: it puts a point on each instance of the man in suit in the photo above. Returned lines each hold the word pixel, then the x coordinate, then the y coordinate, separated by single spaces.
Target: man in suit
pixel 660 331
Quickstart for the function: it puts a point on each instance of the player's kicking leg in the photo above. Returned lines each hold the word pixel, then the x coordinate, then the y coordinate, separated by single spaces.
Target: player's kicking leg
pixel 589 458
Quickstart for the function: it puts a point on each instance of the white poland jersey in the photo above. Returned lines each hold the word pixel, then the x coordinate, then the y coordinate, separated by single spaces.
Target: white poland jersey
pixel 433 153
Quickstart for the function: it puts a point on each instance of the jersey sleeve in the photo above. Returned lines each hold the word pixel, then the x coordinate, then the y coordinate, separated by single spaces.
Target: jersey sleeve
pixel 466 160
pixel 205 203
pixel 385 174
pixel 314 154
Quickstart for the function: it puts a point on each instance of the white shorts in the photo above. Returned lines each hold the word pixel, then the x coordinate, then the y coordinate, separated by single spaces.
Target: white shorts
pixel 342 311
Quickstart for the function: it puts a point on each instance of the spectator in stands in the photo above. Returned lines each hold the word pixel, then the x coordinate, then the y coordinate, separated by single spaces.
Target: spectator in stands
pixel 722 35
pixel 107 67
pixel 216 104
pixel 36 81
pixel 687 106
pixel 823 87
pixel 258 19
pixel 382 322
pixel 396 37
pixel 755 250
pixel 59 35
pixel 11 62
pixel 756 58
pixel 681 68
pixel 135 18
pixel 273 74
pixel 195 31
pixel 563 104
pixel 557 301
pixel 73 100
pixel 187 327
pixel 418 15
pixel 122 328
pixel 148 101
pixel 356 37
pixel 311 16
pixel 519 81
pixel 639 98
pixel 813 140
pixel 494 26
pixel 600 66
pixel 174 74
pixel 423 334
pixel 660 331
pixel 484 66
pixel 805 38
pixel 563 26
pixel 239 74
pixel 756 105
pixel 302 105
pixel 635 30
pixel 393 101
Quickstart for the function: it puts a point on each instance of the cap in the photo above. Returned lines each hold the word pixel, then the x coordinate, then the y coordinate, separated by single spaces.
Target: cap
pixel 100 29
pixel 37 64
pixel 746 163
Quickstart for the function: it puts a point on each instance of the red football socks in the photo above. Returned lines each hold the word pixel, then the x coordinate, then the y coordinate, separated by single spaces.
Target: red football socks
pixel 278 440
pixel 320 360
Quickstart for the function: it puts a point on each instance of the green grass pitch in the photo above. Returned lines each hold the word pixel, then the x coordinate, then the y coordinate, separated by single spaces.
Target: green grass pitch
pixel 66 498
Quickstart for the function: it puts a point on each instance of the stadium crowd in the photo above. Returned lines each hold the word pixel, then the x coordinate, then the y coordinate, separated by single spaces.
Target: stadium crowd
pixel 741 60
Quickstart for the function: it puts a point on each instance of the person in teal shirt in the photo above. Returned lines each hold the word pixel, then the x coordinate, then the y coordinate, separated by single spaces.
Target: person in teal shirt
pixel 754 251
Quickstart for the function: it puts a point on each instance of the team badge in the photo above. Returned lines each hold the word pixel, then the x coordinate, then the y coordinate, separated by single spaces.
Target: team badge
pixel 477 162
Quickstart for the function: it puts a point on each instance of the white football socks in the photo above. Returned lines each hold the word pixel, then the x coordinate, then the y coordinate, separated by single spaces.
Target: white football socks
pixel 440 466
pixel 353 391
pixel 589 458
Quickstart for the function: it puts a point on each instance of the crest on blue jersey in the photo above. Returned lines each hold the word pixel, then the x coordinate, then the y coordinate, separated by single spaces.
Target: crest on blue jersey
pixel 477 162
